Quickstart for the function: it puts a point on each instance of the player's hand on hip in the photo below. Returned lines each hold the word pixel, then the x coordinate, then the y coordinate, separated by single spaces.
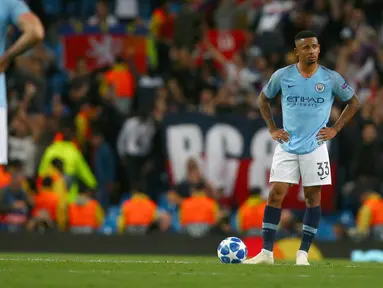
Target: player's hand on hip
pixel 326 134
pixel 280 135
pixel 4 63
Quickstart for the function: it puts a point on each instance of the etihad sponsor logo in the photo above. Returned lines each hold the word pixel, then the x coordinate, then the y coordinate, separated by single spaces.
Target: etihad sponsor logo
pixel 305 101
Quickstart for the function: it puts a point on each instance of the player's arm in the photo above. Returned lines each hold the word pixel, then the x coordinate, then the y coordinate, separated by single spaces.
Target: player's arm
pixel 271 89
pixel 32 33
pixel 346 94
pixel 347 114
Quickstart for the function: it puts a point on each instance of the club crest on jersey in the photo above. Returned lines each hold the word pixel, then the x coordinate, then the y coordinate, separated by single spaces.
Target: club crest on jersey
pixel 319 87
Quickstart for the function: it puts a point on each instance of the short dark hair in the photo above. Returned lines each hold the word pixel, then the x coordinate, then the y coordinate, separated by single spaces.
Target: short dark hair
pixel 305 34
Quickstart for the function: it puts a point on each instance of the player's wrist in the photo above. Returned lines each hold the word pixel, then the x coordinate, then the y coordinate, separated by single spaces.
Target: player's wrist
pixel 273 128
pixel 336 129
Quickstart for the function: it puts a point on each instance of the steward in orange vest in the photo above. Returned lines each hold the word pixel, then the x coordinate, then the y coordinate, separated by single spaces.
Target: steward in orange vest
pixel 85 215
pixel 49 207
pixel 370 215
pixel 138 214
pixel 198 213
pixel 250 214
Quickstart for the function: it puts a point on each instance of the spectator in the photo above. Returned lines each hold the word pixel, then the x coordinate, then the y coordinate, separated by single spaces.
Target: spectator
pixel 135 143
pixel 188 76
pixel 75 166
pixel 250 214
pixel 49 208
pixel 15 202
pixel 102 15
pixel 140 213
pixel 104 167
pixel 60 181
pixel 238 76
pixel 207 102
pixel 162 31
pixel 193 179
pixel 121 80
pixel 370 216
pixel 22 146
pixel 85 215
pixel 199 213
pixel 288 227
pixel 188 26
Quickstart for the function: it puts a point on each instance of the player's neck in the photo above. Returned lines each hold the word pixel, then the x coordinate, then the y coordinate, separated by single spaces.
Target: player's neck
pixel 307 70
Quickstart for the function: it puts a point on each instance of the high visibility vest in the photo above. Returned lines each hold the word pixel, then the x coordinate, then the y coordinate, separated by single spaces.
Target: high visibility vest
pixel 123 81
pixel 5 177
pixel 251 216
pixel 376 207
pixel 139 211
pixel 198 210
pixel 82 218
pixel 46 200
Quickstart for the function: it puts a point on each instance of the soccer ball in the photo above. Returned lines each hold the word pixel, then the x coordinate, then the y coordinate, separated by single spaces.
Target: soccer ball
pixel 232 251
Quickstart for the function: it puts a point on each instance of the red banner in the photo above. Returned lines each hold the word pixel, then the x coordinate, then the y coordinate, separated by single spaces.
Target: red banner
pixel 101 50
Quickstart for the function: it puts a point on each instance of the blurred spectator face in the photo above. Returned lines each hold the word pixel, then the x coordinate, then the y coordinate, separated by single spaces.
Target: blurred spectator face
pixel 369 133
pixel 287 219
pixel 184 57
pixel 35 67
pixel 53 124
pixel 97 140
pixel 160 106
pixel 238 60
pixel 81 67
pixel 162 93
pixel 19 127
pixel 207 96
pixel 175 89
pixel 78 93
pixel 358 16
pixel 17 179
pixel 57 109
pixel 260 63
pixel 102 9
pixel 193 173
pixel 307 50
pixel 320 5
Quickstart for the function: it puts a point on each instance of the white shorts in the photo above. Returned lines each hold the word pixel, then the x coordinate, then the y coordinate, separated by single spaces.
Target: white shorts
pixel 3 137
pixel 313 167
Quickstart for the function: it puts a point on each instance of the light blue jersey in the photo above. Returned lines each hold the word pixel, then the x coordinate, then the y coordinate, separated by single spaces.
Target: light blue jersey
pixel 306 103
pixel 10 10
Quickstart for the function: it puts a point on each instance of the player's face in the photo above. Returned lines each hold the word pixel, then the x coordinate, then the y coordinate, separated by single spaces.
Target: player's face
pixel 307 50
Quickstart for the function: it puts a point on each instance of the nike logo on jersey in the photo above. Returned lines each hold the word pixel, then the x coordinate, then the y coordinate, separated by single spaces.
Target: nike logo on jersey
pixel 289 86
pixel 322 178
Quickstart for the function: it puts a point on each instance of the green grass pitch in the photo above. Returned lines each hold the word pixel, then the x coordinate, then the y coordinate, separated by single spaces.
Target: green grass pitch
pixel 54 270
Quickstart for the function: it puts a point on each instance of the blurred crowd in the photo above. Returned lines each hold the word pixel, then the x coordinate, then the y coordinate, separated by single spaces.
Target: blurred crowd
pixel 85 145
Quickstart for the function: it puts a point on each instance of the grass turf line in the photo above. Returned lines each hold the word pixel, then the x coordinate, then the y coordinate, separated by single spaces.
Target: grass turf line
pixel 54 270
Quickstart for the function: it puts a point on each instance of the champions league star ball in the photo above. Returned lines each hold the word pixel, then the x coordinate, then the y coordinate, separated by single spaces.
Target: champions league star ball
pixel 232 251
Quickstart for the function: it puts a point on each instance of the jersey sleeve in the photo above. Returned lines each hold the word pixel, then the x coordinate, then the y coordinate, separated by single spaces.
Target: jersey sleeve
pixel 15 9
pixel 273 87
pixel 341 88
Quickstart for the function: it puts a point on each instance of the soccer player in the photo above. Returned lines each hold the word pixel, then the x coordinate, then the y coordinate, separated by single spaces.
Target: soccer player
pixel 307 93
pixel 18 13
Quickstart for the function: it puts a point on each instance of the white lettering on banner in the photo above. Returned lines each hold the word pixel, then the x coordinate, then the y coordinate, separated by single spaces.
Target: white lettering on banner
pixel 223 140
pixel 183 142
pixel 223 149
pixel 262 151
